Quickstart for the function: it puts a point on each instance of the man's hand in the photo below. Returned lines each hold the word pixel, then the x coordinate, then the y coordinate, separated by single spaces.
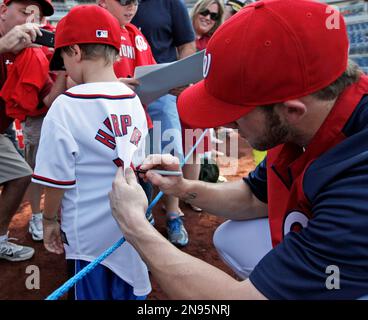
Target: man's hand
pixel 128 201
pixel 19 37
pixel 177 91
pixel 51 237
pixel 132 83
pixel 170 185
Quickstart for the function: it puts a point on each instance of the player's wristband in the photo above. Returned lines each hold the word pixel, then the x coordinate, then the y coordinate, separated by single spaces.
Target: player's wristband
pixel 53 219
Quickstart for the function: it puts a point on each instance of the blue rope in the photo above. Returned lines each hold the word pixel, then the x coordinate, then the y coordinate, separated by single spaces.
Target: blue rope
pixel 72 281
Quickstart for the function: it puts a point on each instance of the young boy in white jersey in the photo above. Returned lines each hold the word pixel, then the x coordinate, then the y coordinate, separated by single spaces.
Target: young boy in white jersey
pixel 136 51
pixel 89 131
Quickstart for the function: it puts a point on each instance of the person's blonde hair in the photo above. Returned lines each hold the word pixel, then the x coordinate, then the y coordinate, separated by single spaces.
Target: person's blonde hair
pixel 202 5
pixel 95 51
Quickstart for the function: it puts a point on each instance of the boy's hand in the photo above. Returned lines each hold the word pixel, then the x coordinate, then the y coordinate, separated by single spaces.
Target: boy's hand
pixel 51 237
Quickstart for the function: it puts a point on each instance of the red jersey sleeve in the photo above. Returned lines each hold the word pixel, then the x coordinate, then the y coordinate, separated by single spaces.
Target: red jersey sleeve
pixel 27 77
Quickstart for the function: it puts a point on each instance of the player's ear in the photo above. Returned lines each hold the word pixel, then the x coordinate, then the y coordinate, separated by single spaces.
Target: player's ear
pixel 102 3
pixel 3 11
pixel 77 52
pixel 292 110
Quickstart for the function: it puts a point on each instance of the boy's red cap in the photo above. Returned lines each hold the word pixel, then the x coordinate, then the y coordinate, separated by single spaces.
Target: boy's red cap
pixel 85 24
pixel 270 51
pixel 47 8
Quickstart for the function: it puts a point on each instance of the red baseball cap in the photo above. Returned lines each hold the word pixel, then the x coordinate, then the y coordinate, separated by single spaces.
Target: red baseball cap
pixel 271 51
pixel 46 6
pixel 85 24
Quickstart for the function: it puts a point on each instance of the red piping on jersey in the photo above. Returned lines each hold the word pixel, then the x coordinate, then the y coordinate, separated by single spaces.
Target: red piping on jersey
pixel 61 183
pixel 99 96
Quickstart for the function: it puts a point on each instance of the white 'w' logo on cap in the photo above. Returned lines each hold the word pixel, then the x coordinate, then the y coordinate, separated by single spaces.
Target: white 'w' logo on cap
pixel 206 64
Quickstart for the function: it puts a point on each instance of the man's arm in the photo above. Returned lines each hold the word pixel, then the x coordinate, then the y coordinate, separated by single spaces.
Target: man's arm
pixel 185 50
pixel 180 275
pixel 18 38
pixel 57 88
pixel 232 200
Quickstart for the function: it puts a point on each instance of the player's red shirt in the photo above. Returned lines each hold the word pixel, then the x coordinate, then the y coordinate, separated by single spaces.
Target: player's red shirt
pixel 27 84
pixel 5 121
pixel 134 51
pixel 201 43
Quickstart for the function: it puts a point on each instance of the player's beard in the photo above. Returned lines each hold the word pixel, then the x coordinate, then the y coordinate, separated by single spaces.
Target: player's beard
pixel 275 131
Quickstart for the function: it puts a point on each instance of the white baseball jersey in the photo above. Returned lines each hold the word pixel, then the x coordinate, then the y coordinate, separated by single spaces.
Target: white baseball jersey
pixel 88 132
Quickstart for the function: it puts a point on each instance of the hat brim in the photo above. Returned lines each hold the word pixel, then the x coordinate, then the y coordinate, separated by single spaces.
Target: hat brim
pixel 198 109
pixel 47 8
pixel 57 62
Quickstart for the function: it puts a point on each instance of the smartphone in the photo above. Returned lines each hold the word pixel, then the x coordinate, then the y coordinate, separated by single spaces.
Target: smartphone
pixel 47 39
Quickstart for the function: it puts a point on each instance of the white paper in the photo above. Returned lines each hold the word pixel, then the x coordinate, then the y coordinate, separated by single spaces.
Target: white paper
pixel 157 80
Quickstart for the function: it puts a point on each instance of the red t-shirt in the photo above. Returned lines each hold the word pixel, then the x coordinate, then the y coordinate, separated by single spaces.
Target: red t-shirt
pixel 201 43
pixel 134 51
pixel 5 121
pixel 27 84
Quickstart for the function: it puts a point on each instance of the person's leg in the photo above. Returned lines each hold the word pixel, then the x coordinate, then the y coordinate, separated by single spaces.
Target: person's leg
pixel 242 244
pixel 32 131
pixel 166 138
pixel 191 171
pixel 33 195
pixel 15 176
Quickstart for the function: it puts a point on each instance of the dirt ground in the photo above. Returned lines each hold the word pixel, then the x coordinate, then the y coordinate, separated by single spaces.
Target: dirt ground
pixel 52 267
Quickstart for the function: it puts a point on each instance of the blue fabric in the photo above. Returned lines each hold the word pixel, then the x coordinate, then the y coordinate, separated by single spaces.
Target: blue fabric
pixel 100 284
pixel 257 181
pixel 336 185
pixel 166 25
pixel 164 115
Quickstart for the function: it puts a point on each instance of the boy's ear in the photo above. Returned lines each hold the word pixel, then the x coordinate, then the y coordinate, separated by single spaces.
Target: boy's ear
pixel 3 10
pixel 102 3
pixel 77 52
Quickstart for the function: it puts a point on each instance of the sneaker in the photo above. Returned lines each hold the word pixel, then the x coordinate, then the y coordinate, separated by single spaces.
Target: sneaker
pixel 176 232
pixel 13 252
pixel 221 179
pixel 36 227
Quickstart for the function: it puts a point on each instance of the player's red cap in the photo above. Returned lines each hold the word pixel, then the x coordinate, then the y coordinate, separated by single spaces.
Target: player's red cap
pixel 85 24
pixel 270 51
pixel 46 6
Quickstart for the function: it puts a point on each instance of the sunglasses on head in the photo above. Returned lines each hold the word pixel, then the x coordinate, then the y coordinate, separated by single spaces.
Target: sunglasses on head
pixel 213 15
pixel 128 2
